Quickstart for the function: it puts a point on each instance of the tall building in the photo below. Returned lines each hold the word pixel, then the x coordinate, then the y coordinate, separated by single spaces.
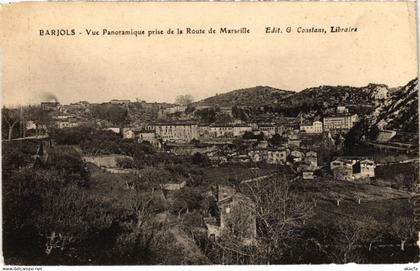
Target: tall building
pixel 177 131
pixel 312 128
pixel 340 122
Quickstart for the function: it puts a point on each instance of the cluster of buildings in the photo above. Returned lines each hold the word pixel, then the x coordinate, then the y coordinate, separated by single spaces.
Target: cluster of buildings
pixel 66 121
pixel 352 168
pixel 183 132
pixel 298 146
pixel 340 121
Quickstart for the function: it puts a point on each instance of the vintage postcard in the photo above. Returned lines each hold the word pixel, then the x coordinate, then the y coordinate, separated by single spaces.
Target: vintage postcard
pixel 179 133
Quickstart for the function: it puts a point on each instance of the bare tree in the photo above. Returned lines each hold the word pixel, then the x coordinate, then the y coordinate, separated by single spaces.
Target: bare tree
pixel 230 250
pixel 67 218
pixel 280 213
pixel 140 208
pixel 371 231
pixel 11 117
pixel 404 228
pixel 344 241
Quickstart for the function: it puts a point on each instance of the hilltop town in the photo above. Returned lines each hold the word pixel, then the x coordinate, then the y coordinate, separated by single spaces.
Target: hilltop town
pixel 253 176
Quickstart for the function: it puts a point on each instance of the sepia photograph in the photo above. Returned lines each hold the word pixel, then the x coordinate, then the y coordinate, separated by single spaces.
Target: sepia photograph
pixel 266 133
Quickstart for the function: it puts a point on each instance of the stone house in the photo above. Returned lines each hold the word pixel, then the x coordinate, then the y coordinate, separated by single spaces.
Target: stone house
pixel 270 156
pixel 256 155
pixel 276 156
pixel 297 156
pixel 173 186
pixel 352 168
pixel 311 158
pixel 365 169
pixel 235 215
pixel 308 175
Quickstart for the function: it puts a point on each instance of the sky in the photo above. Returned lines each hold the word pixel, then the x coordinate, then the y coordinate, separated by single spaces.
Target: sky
pixel 160 67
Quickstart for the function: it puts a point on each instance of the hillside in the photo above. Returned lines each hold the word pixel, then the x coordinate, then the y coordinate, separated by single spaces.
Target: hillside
pixel 400 110
pixel 255 96
pixel 389 108
pixel 324 99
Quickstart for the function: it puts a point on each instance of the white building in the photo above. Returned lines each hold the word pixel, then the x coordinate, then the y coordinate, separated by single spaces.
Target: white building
pixel 386 135
pixel 175 109
pixel 341 162
pixel 66 124
pixel 113 129
pixel 340 122
pixel 311 158
pixel 177 131
pixel 308 175
pixel 297 156
pixel 314 128
pixel 267 129
pixel 341 109
pixel 349 169
pixel 128 133
pixel 240 130
pixel 228 130
pixel 367 168
pixel 276 156
pixel 221 131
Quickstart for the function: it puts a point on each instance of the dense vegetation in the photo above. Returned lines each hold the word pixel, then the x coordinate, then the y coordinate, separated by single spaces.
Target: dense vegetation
pixel 57 209
pixel 55 213
pixel 260 95
pixel 63 211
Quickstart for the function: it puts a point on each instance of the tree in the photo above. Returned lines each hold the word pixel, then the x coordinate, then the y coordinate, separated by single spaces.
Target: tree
pixel 136 244
pixel 351 234
pixel 280 214
pixel 344 240
pixel 240 113
pixel 190 109
pixel 230 250
pixel 184 99
pixel 186 200
pixel 125 163
pixel 16 154
pixel 40 117
pixel 11 117
pixel 277 140
pixel 404 228
pixel 223 118
pixel 207 115
pixel 116 114
pixel 69 220
pixel 150 178
pixel 200 159
pixel 354 142
pixel 69 166
pixel 251 135
pixel 21 199
pixel 139 207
